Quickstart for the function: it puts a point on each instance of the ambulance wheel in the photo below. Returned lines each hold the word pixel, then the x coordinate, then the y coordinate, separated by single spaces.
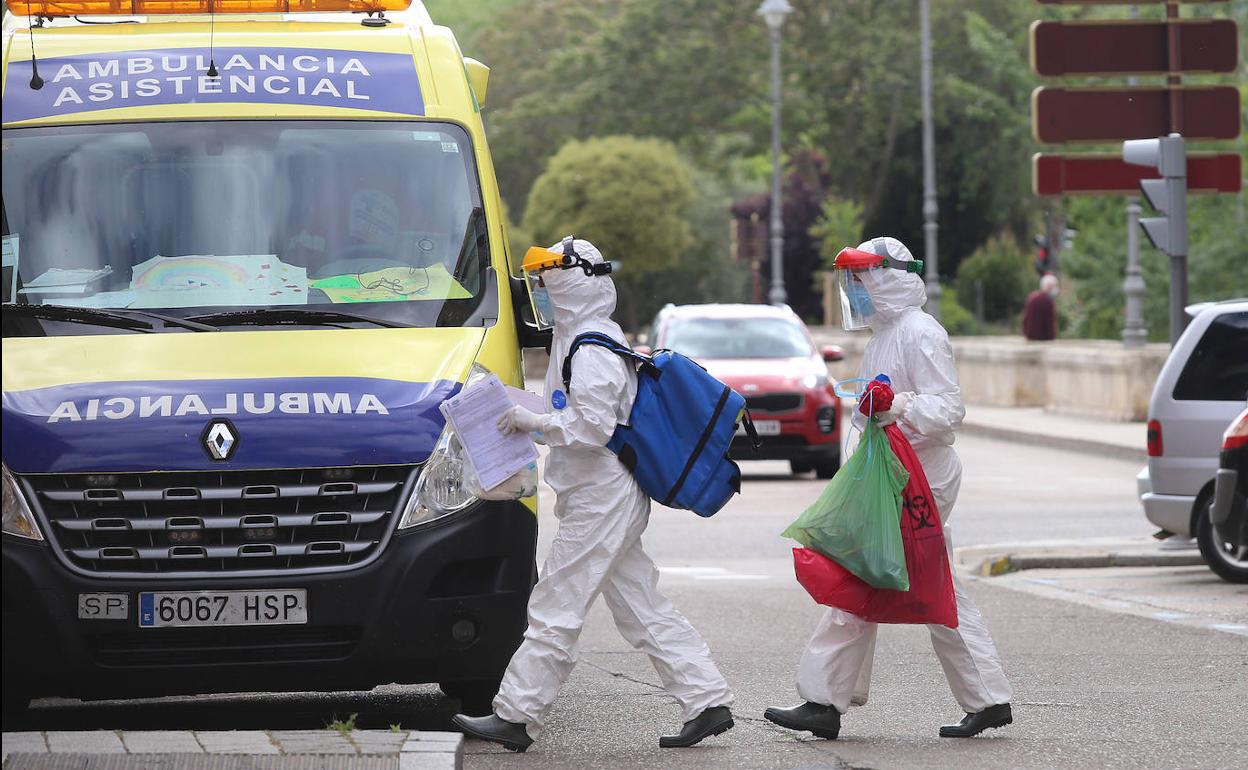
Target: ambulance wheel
pixel 801 466
pixel 16 701
pixel 476 697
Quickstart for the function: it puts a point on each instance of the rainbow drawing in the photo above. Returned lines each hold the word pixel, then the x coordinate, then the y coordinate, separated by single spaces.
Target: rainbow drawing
pixel 190 273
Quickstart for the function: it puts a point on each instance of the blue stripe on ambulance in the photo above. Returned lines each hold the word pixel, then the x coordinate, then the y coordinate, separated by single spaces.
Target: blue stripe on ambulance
pixel 296 422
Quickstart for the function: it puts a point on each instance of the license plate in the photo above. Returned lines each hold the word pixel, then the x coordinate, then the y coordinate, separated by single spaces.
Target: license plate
pixel 222 608
pixel 763 428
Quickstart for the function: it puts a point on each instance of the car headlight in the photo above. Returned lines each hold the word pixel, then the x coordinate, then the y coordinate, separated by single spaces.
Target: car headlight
pixel 440 488
pixel 815 381
pixel 18 520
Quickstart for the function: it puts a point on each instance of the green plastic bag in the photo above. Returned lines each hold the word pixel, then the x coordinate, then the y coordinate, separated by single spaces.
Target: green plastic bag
pixel 856 522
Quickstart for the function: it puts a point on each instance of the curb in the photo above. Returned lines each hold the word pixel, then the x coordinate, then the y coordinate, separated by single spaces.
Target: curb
pixel 1085 446
pixel 992 566
pixel 323 749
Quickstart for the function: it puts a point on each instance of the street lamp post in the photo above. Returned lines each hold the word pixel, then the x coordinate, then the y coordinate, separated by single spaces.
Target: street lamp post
pixel 929 164
pixel 773 13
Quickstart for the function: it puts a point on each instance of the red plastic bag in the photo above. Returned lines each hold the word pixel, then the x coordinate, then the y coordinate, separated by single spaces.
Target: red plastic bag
pixel 930 598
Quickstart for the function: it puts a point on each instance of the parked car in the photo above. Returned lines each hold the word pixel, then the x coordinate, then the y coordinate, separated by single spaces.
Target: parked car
pixel 767 355
pixel 1202 386
pixel 1224 537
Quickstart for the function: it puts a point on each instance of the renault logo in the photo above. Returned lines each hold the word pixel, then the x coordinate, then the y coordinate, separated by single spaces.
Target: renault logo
pixel 220 439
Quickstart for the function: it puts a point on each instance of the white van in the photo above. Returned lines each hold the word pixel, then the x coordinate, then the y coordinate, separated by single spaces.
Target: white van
pixel 1203 385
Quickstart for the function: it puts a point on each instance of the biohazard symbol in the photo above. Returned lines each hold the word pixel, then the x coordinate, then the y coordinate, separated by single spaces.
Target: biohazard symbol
pixel 920 510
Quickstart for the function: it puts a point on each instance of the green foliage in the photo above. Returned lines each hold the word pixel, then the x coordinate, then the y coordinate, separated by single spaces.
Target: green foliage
pixel 839 225
pixel 631 197
pixel 343 726
pixel 1004 271
pixel 957 320
pixel 1092 297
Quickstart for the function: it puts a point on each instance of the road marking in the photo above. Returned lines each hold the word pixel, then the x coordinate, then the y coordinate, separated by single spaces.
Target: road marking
pixel 1054 588
pixel 710 573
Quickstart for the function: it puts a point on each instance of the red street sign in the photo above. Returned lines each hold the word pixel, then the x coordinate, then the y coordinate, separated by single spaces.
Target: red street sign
pixel 1099 174
pixel 1131 47
pixel 1121 2
pixel 1110 114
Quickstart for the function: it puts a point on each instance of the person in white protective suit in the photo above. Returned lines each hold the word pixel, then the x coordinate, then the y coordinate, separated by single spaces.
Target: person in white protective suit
pixel 602 513
pixel 913 349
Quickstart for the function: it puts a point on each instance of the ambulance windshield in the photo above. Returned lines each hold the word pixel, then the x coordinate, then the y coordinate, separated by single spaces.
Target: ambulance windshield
pixel 371 218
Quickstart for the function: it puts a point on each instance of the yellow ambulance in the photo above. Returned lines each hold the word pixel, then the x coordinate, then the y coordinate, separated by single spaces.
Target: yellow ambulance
pixel 249 247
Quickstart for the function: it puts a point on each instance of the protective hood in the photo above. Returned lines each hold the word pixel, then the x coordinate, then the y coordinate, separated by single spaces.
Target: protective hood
pixel 892 291
pixel 582 303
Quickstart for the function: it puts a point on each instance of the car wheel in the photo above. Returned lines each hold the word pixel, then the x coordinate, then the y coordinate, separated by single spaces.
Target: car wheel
pixel 801 466
pixel 1228 561
pixel 827 468
pixel 476 697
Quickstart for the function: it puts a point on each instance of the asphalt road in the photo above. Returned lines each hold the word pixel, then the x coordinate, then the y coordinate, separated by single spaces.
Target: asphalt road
pixel 1096 685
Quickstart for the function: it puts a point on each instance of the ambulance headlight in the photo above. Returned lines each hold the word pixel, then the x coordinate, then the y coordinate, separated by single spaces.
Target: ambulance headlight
pixel 18 520
pixel 441 488
pixel 812 381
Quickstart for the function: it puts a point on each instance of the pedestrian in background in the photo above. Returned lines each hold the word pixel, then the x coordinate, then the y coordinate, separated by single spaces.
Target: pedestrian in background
pixel 1040 311
pixel 602 514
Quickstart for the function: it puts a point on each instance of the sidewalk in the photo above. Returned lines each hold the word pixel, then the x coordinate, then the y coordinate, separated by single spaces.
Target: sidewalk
pixel 1033 425
pixel 1002 558
pixel 326 749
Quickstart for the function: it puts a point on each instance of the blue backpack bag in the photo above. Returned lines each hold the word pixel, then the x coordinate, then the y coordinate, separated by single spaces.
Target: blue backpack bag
pixel 680 427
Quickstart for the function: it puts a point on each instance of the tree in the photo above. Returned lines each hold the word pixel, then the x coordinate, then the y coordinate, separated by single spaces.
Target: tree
pixel 631 197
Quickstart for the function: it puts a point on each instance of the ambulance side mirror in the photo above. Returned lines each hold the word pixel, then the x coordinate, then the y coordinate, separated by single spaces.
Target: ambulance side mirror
pixel 478 79
pixel 832 353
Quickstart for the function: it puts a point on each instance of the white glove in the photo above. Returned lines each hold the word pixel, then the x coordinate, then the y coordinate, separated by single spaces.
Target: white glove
pixel 901 402
pixel 518 418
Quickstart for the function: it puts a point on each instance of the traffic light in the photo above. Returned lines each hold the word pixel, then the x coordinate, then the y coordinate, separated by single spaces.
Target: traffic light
pixel 1168 194
pixel 1042 253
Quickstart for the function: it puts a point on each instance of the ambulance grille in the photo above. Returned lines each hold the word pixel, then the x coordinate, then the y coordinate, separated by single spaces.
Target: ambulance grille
pixel 232 522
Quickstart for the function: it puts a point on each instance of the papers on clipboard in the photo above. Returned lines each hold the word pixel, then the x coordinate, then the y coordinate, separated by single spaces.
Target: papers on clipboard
pixel 473 414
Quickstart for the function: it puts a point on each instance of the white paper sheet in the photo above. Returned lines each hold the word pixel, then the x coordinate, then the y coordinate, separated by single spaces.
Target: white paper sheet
pixel 474 414
pixel 527 399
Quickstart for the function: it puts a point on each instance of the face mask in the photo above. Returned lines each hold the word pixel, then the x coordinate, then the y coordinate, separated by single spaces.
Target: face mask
pixel 859 299
pixel 543 308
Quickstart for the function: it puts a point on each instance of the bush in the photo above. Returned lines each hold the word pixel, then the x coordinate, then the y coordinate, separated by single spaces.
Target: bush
pixel 633 198
pixel 957 320
pixel 1006 274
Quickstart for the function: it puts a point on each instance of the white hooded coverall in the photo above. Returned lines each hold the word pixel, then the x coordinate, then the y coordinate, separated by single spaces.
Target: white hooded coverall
pixel 913 349
pixel 602 514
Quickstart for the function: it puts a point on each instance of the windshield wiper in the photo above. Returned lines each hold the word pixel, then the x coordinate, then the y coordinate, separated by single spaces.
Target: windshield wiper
pixel 101 317
pixel 291 315
pixel 82 315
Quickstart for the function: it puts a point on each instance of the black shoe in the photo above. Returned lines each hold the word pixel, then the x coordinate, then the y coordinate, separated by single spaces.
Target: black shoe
pixel 974 724
pixel 713 721
pixel 823 721
pixel 511 735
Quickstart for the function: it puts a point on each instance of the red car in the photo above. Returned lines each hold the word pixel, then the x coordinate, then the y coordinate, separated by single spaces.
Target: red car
pixel 766 354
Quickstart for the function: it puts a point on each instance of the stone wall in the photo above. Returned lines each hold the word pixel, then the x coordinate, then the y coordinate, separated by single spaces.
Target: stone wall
pixel 1091 378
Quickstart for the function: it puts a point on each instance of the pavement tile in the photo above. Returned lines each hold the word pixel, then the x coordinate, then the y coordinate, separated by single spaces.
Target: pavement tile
pixel 313 742
pixel 446 761
pixel 434 735
pixel 379 741
pixel 85 742
pixel 236 742
pixel 161 742
pixel 429 747
pixel 23 743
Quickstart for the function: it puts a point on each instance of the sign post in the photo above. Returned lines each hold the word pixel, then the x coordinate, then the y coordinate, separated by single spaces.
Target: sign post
pixel 1153 123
